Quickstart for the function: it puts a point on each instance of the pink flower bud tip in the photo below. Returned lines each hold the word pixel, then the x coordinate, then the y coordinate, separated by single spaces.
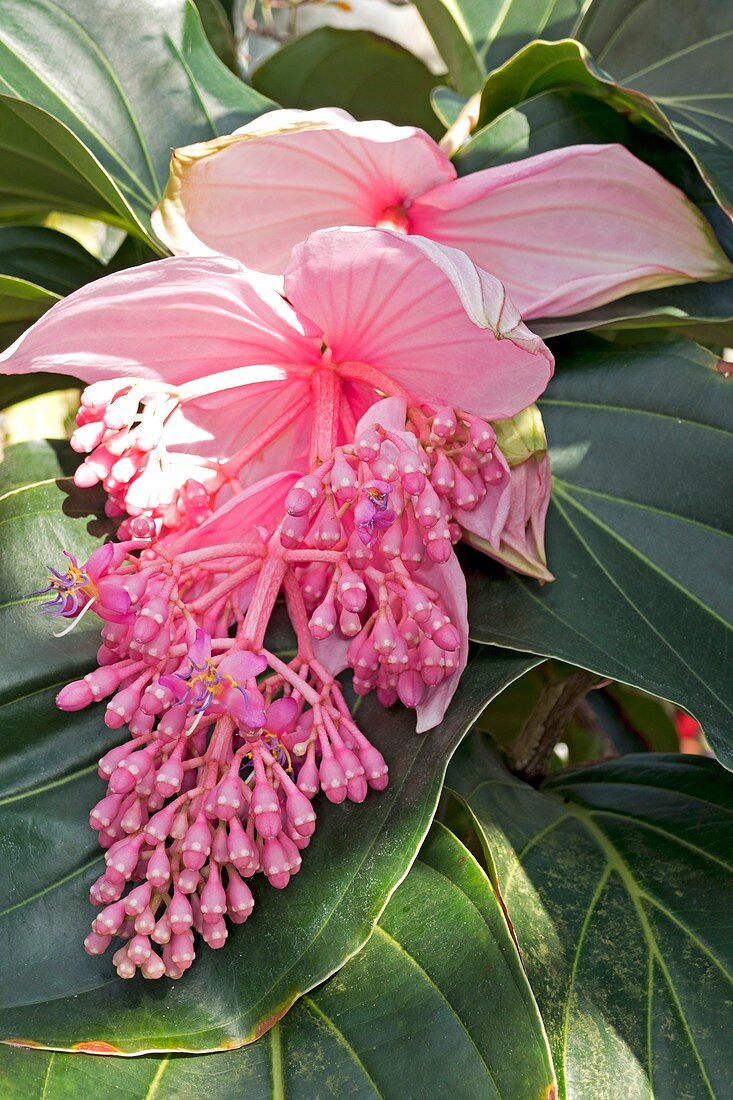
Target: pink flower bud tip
pixel 74 696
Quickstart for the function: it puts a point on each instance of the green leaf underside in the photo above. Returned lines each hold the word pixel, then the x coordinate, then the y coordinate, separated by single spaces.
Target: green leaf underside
pixel 475 36
pixel 136 82
pixel 48 783
pixel 655 97
pixel 397 1020
pixel 617 880
pixel 355 70
pixel 638 532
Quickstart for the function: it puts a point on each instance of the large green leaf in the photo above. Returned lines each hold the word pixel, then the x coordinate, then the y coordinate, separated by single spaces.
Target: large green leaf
pixel 657 94
pixel 678 55
pixel 617 879
pixel 639 529
pixel 21 303
pixel 37 266
pixel 46 167
pixel 47 258
pixel 475 36
pixel 293 940
pixel 355 70
pixel 136 80
pixel 436 1003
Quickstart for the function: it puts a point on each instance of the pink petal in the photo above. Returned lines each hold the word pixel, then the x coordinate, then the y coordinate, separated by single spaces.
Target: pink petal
pixel 260 191
pixel 281 715
pixel 448 580
pixel 172 321
pixel 260 505
pixel 424 316
pixel 573 228
pixel 200 651
pixel 242 665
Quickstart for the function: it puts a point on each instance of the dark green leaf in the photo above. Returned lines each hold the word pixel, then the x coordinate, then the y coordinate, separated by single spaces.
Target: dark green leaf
pixel 360 72
pixel 617 879
pixel 438 987
pixel 657 94
pixel 639 529
pixel 47 258
pixel 474 36
pixel 46 167
pixel 293 940
pixel 447 104
pixel 219 32
pixel 21 303
pixel 678 55
pixel 136 81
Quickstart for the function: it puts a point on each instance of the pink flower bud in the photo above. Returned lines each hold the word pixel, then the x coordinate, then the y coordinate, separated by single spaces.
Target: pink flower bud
pixel 427 508
pixel 138 899
pixel 444 423
pixel 169 777
pixel 153 967
pixel 181 949
pixel 159 869
pixel 145 922
pixel 188 880
pixel 240 902
pixel 411 688
pixel 357 789
pixel 265 809
pixel 213 898
pixel 293 531
pixel 160 824
pixel 323 620
pixel 162 932
pixel 375 767
pixel 447 637
pixel 180 913
pixel 368 445
pixel 74 696
pixel 343 479
pixel 105 811
pixel 96 944
pixel 228 796
pixel 215 935
pixel 197 844
pixel 123 858
pixel 303 495
pixel 333 780
pixel 275 863
pixel 308 781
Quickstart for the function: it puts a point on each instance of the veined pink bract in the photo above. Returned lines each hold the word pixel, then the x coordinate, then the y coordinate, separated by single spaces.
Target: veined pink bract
pixel 565 231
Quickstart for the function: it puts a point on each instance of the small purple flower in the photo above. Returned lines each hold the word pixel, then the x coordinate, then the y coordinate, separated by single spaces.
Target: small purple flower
pixel 216 686
pixel 373 512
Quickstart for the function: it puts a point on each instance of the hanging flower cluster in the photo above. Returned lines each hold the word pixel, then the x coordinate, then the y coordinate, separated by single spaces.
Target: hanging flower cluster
pixel 324 439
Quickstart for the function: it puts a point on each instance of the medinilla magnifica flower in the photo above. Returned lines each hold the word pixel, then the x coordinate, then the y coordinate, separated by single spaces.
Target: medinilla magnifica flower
pixel 216 780
pixel 202 377
pixel 565 230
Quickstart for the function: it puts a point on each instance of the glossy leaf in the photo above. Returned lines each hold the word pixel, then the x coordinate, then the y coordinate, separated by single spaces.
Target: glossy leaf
pixel 46 167
pixel 137 80
pixel 48 783
pixel 364 74
pixel 658 93
pixel 617 879
pixel 47 258
pixel 21 303
pixel 450 995
pixel 475 36
pixel 639 529
pixel 685 71
pixel 218 30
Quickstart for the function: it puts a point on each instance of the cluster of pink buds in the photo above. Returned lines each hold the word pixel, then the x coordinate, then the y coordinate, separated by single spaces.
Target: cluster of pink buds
pixel 383 511
pixel 229 744
pixel 125 429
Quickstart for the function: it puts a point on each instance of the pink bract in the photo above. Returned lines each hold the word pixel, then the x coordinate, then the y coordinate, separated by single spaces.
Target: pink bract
pixel 565 231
